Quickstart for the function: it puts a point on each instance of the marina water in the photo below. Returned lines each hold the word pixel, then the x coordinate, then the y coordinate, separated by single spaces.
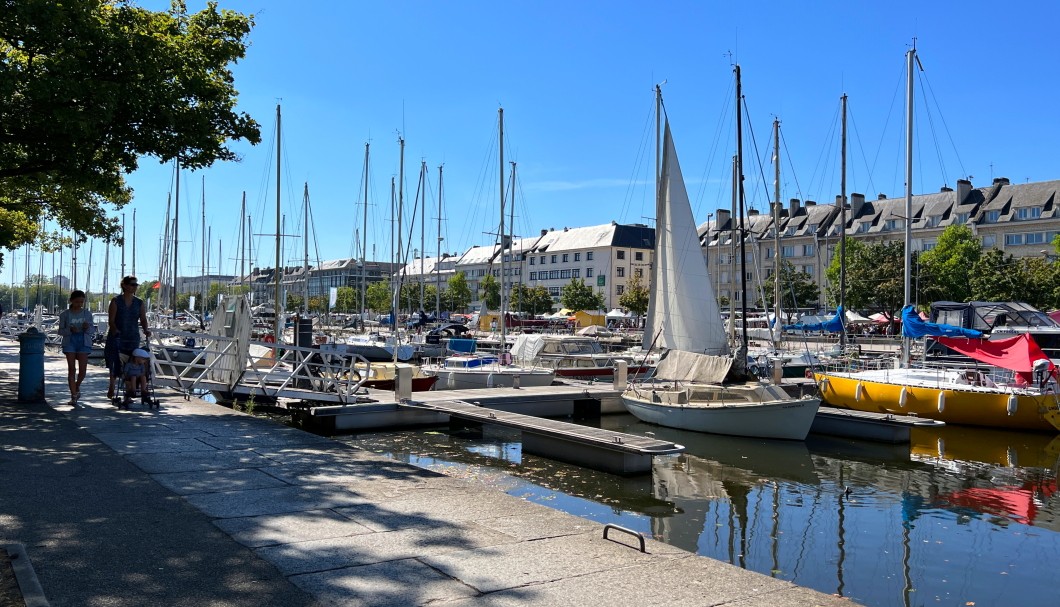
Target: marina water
pixel 961 516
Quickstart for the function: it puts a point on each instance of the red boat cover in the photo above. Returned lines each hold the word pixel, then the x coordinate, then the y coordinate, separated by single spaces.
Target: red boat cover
pixel 1015 353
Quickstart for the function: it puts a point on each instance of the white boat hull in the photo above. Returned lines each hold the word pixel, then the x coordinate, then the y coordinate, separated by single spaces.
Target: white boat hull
pixel 784 419
pixel 470 379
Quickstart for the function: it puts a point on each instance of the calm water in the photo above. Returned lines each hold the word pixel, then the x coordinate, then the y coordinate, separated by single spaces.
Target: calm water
pixel 959 517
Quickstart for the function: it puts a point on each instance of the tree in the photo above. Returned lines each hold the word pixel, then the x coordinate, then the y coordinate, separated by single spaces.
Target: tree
pixel 347 299
pixel 875 276
pixel 88 87
pixel 457 295
pixel 997 277
pixel 379 297
pixel 576 295
pixel 635 298
pixel 533 300
pixel 945 271
pixel 797 288
pixel 490 292
pixel 294 302
pixel 831 290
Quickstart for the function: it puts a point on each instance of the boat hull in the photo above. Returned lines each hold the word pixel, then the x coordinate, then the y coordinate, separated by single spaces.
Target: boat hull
pixel 470 379
pixel 960 406
pixel 789 419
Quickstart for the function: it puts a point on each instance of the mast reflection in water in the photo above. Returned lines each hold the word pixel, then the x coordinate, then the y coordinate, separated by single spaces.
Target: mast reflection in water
pixel 960 516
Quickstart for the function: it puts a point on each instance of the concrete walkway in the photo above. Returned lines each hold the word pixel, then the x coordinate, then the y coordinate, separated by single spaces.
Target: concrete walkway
pixel 196 504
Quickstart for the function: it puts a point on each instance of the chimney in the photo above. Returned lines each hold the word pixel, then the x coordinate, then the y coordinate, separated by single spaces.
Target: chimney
pixel 793 207
pixel 1001 181
pixel 857 201
pixel 964 188
pixel 723 218
pixel 752 212
pixel 946 188
pixel 881 196
pixel 811 203
pixel 544 231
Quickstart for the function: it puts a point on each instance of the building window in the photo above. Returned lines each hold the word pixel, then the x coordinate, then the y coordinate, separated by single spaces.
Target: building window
pixel 542 260
pixel 807 250
pixel 507 258
pixel 553 275
pixel 531 261
pixel 993 216
pixel 638 272
pixel 1034 238
pixel 1013 239
pixel 928 245
pixel 1028 213
pixel 566 258
pixel 533 275
pixel 989 241
pixel 576 273
pixel 564 274
pixel 577 257
pixel 638 256
pixel 788 251
pixel 588 272
pixel 620 272
pixel 807 270
pixel 961 218
pixel 553 291
pixel 812 228
pixel 621 254
pixel 480 273
pixel 517 271
pixel 589 256
pixel 724 277
pixel 554 258
pixel 769 252
pixel 892 224
pixel 620 289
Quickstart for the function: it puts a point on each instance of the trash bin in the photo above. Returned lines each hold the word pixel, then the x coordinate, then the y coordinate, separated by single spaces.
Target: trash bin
pixel 31 366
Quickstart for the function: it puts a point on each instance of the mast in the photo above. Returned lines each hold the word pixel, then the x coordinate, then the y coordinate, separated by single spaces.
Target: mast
pixel 176 238
pixel 910 58
pixel 242 239
pixel 500 171
pixel 423 219
pixel 777 258
pixel 123 245
pixel 364 243
pixel 438 263
pixel 278 311
pixel 163 254
pixel 843 230
pixel 305 249
pixel 741 358
pixel 511 234
pixel 400 217
pixel 393 256
pixel 134 244
pixel 202 260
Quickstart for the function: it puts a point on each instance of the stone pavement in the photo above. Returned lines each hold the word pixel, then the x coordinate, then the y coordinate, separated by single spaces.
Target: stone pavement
pixel 196 504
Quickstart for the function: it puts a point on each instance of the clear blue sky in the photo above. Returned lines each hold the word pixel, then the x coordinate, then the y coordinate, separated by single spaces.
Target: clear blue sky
pixel 575 80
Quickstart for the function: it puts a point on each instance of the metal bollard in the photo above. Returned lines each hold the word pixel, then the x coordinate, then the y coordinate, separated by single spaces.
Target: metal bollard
pixel 31 366
pixel 621 373
pixel 403 383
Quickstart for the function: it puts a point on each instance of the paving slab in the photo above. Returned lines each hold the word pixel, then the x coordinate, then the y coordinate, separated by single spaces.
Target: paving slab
pixel 272 529
pixel 273 500
pixel 157 463
pixel 212 481
pixel 391 584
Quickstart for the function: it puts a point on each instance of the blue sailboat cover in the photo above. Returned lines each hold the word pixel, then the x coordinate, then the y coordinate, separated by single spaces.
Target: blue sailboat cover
pixel 833 325
pixel 914 326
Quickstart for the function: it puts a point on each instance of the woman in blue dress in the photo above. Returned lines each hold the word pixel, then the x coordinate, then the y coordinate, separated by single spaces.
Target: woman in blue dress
pixel 76 328
pixel 126 311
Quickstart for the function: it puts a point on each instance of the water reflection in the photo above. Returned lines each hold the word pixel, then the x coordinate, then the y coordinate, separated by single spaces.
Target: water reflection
pixel 959 516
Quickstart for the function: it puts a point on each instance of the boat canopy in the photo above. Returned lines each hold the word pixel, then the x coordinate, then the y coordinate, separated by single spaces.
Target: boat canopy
pixel 833 325
pixel 678 365
pixel 527 346
pixel 1017 354
pixel 914 326
pixel 466 346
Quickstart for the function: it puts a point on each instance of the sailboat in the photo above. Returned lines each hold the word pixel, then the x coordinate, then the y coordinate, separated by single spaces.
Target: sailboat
pixel 952 395
pixel 468 370
pixel 691 388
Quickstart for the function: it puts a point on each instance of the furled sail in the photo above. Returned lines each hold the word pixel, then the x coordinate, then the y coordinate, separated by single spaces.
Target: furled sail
pixel 682 311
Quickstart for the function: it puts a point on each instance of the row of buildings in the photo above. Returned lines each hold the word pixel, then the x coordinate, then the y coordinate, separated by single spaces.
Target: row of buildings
pixel 1020 219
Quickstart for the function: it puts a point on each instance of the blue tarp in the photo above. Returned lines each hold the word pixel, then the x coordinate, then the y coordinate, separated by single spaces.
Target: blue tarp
pixel 914 326
pixel 834 325
pixel 462 345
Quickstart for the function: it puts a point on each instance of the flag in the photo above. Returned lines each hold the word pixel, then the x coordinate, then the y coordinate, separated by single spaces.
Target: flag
pixel 158 285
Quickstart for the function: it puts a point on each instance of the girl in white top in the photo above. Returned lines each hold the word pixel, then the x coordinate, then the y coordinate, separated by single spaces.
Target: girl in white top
pixel 76 329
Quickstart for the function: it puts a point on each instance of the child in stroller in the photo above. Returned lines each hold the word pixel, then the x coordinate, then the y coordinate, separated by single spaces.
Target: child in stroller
pixel 135 371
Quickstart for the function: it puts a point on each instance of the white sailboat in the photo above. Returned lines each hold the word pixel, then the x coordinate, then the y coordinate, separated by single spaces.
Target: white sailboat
pixel 475 371
pixel 689 390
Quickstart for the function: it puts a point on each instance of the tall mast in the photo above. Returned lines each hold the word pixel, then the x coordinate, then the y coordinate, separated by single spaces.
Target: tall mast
pixel 393 255
pixel 242 239
pixel 423 220
pixel 438 262
pixel 278 273
pixel 162 257
pixel 305 249
pixel 511 235
pixel 777 259
pixel 202 260
pixel 123 245
pixel 500 171
pixel 364 243
pixel 910 58
pixel 843 229
pixel 743 245
pixel 134 244
pixel 176 239
pixel 401 256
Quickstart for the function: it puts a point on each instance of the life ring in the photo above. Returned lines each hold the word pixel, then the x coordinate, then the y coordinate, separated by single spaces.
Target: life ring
pixel 270 339
pixel 808 374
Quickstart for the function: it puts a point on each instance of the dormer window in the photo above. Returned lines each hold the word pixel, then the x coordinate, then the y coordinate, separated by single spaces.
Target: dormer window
pixel 1028 213
pixel 892 224
pixel 961 218
pixel 993 216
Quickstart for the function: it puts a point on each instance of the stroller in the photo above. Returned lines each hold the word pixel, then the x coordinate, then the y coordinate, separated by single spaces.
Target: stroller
pixel 133 370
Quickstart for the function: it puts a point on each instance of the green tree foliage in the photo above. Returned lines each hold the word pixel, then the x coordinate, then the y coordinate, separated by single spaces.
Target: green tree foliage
pixel 532 300
pixel 490 292
pixel 294 302
pixel 576 295
pixel 410 296
pixel 1000 277
pixel 457 294
pixel 875 276
pixel 347 299
pixel 831 290
pixel 945 272
pixel 87 87
pixel 797 289
pixel 635 298
pixel 379 297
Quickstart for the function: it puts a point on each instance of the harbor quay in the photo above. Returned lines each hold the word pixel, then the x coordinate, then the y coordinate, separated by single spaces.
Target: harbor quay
pixel 194 503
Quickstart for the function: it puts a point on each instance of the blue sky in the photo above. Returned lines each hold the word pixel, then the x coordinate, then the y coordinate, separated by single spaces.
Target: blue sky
pixel 575 80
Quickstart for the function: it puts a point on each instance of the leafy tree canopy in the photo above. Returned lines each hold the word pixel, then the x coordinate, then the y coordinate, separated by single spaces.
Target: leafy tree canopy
pixel 797 288
pixel 87 87
pixel 490 292
pixel 534 300
pixel 946 270
pixel 636 296
pixel 576 295
pixel 457 295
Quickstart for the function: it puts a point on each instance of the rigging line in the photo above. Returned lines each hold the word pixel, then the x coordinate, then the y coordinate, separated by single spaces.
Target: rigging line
pixel 723 128
pixel 899 87
pixel 945 126
pixel 639 158
pixel 754 145
pixel 798 188
pixel 825 159
pixel 850 116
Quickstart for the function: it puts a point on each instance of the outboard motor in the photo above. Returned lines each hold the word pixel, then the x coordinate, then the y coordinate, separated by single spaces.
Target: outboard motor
pixel 1040 369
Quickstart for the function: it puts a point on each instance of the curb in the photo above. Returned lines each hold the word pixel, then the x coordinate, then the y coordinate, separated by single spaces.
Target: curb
pixel 28 584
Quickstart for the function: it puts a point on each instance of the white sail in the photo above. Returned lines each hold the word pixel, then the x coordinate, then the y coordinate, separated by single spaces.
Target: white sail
pixel 683 311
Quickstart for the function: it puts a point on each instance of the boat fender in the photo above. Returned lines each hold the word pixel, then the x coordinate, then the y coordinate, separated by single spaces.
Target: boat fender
pixel 903 396
pixel 1013 404
pixel 942 401
pixel 857 393
pixel 489 380
pixel 808 374
pixel 823 385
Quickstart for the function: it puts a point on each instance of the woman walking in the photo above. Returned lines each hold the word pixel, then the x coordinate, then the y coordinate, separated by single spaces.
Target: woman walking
pixel 126 311
pixel 76 329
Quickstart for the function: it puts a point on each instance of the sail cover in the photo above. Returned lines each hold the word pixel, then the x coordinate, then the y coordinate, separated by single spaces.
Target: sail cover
pixel 689 366
pixel 834 325
pixel 1015 353
pixel 914 326
pixel 683 312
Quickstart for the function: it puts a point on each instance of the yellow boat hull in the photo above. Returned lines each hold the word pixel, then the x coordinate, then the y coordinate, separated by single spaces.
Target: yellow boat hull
pixel 965 407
